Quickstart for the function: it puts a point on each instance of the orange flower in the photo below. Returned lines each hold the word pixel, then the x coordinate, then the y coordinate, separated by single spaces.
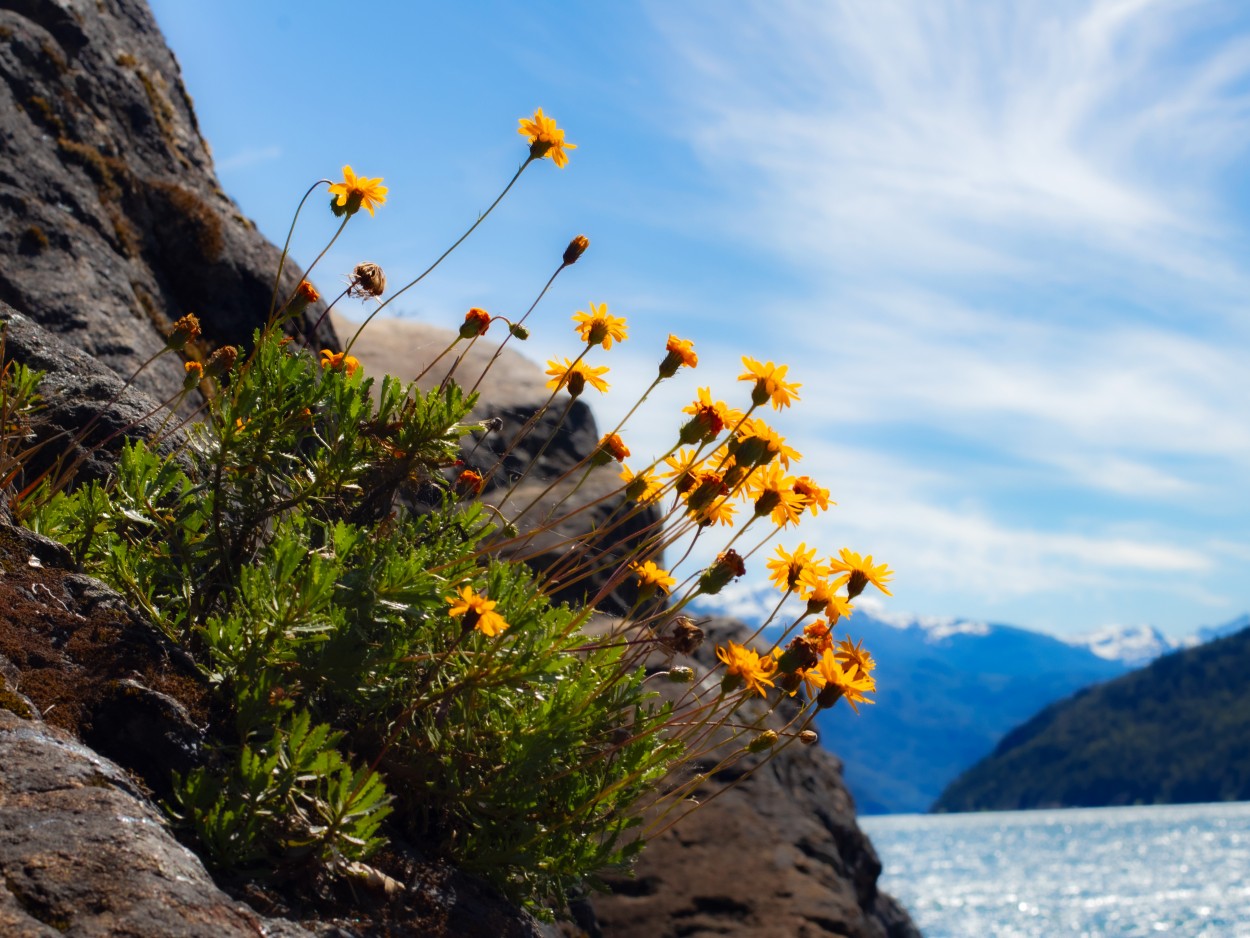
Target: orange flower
pixel 478 612
pixel 680 352
pixel 614 446
pixel 339 361
pixel 546 139
pixel 814 497
pixel 476 322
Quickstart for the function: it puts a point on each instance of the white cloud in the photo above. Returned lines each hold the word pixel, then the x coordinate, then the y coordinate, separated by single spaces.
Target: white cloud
pixel 248 158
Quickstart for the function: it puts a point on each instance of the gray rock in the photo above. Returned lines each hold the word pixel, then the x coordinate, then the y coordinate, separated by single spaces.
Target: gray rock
pixel 112 223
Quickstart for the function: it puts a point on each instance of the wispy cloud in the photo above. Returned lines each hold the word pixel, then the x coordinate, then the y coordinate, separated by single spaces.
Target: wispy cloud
pixel 1019 264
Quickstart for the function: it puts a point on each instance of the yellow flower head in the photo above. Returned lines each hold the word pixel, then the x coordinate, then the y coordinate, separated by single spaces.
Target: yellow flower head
pixel 720 511
pixel 546 139
pixel 770 383
pixel 339 361
pixel 774 495
pixel 598 328
pixel 477 611
pixel 814 497
pixel 679 352
pixel 708 418
pixel 575 376
pixel 788 569
pixel 757 444
pixel 651 577
pixel 821 596
pixel 857 572
pixel 838 681
pixel 643 487
pixel 355 191
pixel 744 666
pixel 854 653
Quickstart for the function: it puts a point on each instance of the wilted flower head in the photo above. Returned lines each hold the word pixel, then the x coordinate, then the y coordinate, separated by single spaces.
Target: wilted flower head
pixel 185 330
pixel 728 566
pixel 355 191
pixel 546 139
pixel 685 638
pixel 221 361
pixel 367 280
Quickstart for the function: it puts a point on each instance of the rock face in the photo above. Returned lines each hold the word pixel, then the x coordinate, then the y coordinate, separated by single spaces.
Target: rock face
pixel 112 223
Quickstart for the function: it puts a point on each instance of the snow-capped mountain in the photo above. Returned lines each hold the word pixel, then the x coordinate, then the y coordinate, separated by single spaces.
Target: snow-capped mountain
pixel 1138 645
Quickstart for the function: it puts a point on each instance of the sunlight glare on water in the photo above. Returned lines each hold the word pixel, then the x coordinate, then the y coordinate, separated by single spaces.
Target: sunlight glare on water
pixel 1172 870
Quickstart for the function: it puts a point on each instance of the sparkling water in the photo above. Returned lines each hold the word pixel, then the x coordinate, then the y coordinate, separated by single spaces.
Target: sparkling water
pixel 1171 870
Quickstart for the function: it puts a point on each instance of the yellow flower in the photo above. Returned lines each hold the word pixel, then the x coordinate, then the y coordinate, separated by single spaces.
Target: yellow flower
pixel 651 577
pixel 756 444
pixel 745 666
pixel 820 596
pixel 836 681
pixel 788 568
pixel 857 572
pixel 814 497
pixel 854 653
pixel 720 511
pixel 575 376
pixel 598 328
pixel 478 612
pixel 774 495
pixel 770 383
pixel 708 418
pixel 643 487
pixel 355 191
pixel 546 139
pixel 339 361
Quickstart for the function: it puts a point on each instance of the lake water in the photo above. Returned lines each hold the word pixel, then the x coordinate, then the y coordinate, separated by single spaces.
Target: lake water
pixel 1172 870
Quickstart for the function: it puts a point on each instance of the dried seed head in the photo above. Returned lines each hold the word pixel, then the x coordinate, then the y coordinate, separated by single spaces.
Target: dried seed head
pixel 685 638
pixel 221 361
pixel 367 280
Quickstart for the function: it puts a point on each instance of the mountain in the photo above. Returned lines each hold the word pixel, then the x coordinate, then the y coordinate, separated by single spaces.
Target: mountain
pixel 1136 645
pixel 948 689
pixel 1177 730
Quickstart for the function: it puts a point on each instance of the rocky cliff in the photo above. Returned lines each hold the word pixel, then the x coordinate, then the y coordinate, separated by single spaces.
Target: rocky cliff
pixel 112 225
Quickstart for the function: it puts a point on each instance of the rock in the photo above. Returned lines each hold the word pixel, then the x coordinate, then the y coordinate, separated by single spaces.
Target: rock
pixel 83 852
pixel 778 855
pixel 112 223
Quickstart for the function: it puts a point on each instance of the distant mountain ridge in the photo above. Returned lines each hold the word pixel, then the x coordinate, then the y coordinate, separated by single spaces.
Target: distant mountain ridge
pixel 1175 731
pixel 949 689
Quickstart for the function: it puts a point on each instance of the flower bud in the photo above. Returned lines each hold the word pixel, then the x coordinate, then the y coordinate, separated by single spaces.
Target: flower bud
pixel 476 322
pixel 305 294
pixel 519 331
pixel 194 375
pixel 809 738
pixel 469 484
pixel 577 247
pixel 763 742
pixel 681 675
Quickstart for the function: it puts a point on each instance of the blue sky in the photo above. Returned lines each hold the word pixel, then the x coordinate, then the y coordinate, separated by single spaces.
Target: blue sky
pixel 1002 246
